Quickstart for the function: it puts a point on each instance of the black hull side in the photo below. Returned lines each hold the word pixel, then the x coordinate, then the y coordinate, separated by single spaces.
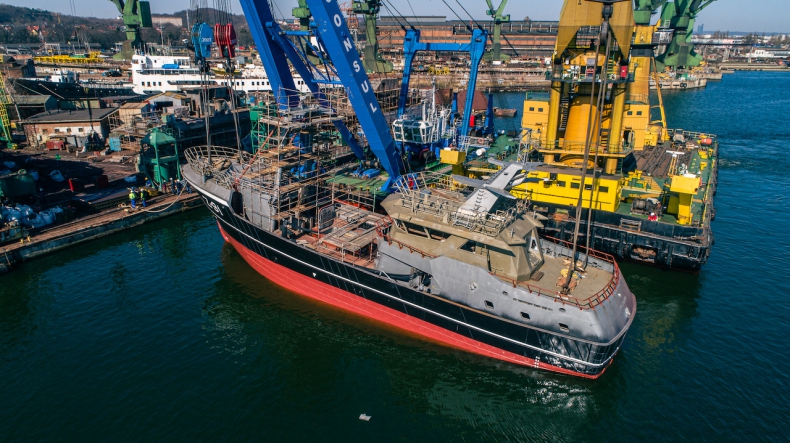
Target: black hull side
pixel 68 91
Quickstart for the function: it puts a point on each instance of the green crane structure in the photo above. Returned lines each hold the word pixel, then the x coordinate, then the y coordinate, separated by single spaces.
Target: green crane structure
pixel 372 60
pixel 136 15
pixel 644 10
pixel 496 54
pixel 679 16
pixel 302 12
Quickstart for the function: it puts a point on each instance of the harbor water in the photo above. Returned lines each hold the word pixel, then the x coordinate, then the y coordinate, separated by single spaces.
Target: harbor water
pixel 163 333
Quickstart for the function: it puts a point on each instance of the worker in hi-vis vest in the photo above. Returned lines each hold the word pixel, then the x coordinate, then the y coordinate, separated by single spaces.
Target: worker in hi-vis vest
pixel 132 197
pixel 142 197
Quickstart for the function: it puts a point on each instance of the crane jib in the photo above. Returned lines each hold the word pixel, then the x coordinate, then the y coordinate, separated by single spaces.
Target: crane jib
pixel 336 38
pixel 273 58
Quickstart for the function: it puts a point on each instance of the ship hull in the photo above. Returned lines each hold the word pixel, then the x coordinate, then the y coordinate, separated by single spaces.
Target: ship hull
pixel 365 293
pixel 68 91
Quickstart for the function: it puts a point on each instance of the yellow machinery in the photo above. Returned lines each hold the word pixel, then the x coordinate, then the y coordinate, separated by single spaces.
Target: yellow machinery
pixel 89 59
pixel 573 120
pixel 638 118
pixel 561 186
pixel 455 158
pixel 575 117
pixel 560 122
pixel 685 187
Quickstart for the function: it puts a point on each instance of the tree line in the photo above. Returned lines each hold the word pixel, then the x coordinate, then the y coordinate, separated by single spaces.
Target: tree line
pixel 20 25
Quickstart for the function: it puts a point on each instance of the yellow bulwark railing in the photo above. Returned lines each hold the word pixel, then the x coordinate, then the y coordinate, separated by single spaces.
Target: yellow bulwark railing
pixel 5 123
pixel 74 59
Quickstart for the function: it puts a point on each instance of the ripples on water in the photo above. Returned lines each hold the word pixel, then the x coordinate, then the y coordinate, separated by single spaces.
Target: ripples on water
pixel 164 334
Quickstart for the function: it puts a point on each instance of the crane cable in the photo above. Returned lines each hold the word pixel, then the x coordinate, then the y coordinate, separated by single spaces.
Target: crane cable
pixel 225 17
pixel 412 11
pixel 600 104
pixel 572 266
pixel 389 5
pixel 469 28
pixel 467 13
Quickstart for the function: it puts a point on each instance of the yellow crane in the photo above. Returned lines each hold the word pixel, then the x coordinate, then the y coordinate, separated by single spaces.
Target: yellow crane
pixel 578 117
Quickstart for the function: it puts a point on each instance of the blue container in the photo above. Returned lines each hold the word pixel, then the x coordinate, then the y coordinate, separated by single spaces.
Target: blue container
pixel 115 144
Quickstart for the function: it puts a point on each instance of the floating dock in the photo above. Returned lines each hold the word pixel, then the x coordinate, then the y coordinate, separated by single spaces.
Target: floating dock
pixel 88 191
pixel 92 227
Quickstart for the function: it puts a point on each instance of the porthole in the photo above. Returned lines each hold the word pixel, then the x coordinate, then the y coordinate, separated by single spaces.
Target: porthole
pixel 562 309
pixel 489 304
pixel 504 293
pixel 525 316
pixel 564 327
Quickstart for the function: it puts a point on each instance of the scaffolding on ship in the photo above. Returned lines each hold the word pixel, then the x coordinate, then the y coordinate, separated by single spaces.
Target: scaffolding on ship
pixel 294 152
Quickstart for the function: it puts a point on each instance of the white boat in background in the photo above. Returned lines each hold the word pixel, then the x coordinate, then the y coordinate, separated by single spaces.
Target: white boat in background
pixel 161 73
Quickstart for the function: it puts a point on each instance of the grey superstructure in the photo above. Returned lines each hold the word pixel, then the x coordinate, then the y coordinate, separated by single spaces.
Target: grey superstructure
pixel 494 260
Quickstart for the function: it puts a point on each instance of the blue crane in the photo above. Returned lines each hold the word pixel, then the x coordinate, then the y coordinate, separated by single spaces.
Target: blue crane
pixel 331 31
pixel 476 48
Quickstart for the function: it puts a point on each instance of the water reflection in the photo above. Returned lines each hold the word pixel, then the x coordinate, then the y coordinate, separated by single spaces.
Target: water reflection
pixel 667 303
pixel 308 348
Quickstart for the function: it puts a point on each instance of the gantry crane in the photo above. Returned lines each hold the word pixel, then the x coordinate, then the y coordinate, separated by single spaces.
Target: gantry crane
pixel 496 54
pixel 136 15
pixel 412 45
pixel 679 16
pixel 475 48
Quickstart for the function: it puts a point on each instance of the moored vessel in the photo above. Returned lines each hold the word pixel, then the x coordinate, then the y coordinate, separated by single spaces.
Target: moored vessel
pixel 642 191
pixel 456 262
pixel 65 84
pixel 161 73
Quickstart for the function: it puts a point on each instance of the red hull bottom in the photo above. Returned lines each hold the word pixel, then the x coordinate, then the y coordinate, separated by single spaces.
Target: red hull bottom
pixel 347 301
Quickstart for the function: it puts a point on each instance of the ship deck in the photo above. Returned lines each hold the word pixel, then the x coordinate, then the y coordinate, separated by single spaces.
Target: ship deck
pixel 589 282
pixel 352 238
pixel 337 223
pixel 656 163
